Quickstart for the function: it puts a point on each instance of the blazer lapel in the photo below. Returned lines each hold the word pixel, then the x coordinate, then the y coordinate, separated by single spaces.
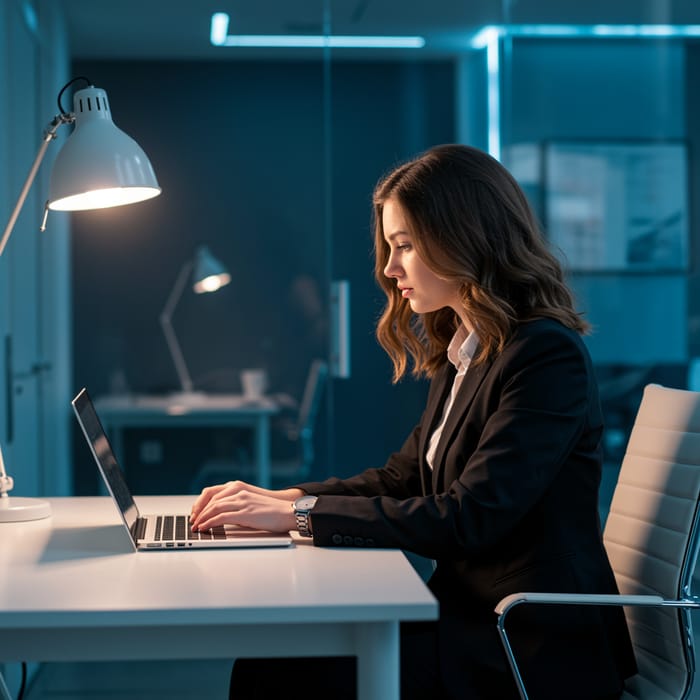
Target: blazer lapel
pixel 471 382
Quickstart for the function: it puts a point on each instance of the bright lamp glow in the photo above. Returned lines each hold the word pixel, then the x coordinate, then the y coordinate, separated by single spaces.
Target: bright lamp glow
pixel 99 166
pixel 102 199
pixel 212 283
pixel 209 273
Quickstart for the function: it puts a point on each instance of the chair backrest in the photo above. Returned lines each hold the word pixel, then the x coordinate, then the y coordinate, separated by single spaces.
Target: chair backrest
pixel 651 536
pixel 308 409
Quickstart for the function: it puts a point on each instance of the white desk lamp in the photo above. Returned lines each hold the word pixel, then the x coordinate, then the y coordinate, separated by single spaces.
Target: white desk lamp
pixel 208 275
pixel 99 166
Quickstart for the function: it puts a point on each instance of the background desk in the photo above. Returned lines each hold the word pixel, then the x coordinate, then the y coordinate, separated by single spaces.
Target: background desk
pixel 210 410
pixel 71 589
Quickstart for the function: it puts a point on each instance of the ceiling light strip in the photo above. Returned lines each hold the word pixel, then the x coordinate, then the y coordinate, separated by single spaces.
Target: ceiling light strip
pixel 612 31
pixel 489 38
pixel 219 36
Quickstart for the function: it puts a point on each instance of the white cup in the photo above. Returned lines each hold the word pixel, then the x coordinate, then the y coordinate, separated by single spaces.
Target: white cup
pixel 254 383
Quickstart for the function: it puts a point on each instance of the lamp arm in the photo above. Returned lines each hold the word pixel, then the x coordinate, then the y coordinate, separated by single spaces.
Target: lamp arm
pixel 49 135
pixel 6 482
pixel 168 331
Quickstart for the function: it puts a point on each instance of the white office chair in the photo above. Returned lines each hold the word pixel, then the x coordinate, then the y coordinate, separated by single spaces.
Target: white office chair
pixel 298 436
pixel 651 537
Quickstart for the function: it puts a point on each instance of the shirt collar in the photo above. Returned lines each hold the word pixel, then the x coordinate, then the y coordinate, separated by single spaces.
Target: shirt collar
pixel 462 347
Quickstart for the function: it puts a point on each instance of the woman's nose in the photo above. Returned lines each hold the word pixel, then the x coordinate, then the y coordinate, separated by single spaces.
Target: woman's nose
pixel 390 269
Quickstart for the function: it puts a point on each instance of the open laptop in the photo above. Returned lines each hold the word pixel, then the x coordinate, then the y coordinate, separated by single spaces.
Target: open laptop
pixel 164 531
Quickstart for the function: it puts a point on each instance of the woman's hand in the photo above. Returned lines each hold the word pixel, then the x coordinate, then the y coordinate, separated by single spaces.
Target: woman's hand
pixel 239 503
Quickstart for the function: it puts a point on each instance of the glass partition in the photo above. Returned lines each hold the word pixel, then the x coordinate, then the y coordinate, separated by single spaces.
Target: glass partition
pixel 269 156
pixel 598 118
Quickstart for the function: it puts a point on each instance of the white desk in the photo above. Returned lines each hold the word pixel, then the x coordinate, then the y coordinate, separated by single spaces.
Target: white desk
pixel 71 590
pixel 208 410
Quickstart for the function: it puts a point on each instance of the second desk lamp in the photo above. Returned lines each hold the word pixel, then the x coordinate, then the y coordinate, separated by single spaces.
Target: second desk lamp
pixel 207 275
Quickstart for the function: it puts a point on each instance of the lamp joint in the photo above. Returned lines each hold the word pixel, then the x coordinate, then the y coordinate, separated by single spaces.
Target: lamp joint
pixel 51 129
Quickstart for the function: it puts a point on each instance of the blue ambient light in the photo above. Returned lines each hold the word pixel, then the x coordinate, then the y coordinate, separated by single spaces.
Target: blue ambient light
pixel 219 36
pixel 489 38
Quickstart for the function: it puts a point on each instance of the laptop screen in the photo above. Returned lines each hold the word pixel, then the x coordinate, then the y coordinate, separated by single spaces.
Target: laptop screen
pixel 104 456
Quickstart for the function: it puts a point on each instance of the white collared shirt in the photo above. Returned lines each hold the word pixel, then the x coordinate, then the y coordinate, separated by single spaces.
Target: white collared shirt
pixel 460 353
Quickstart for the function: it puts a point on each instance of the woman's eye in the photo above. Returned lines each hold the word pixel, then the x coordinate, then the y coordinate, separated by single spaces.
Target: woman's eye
pixel 403 246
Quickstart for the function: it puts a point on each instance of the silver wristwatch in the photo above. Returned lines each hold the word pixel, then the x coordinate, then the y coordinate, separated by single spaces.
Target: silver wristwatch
pixel 302 509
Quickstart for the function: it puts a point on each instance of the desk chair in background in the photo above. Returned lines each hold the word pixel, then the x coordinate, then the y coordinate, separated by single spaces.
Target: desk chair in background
pixel 651 537
pixel 292 442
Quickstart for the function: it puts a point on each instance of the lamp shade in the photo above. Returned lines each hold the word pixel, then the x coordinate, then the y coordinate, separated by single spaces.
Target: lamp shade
pixel 209 274
pixel 99 165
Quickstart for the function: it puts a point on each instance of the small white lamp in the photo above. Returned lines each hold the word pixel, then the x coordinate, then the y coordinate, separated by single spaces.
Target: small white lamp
pixel 208 275
pixel 99 166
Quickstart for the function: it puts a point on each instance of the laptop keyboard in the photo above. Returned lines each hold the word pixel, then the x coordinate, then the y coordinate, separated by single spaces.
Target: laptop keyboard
pixel 177 527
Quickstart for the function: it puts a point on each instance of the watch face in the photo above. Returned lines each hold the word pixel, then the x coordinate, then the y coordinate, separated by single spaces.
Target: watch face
pixel 305 502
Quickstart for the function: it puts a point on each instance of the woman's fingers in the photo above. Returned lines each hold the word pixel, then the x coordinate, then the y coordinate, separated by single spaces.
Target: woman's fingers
pixel 214 494
pixel 246 508
pixel 210 494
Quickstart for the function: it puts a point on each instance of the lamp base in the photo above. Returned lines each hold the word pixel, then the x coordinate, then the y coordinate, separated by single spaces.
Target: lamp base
pixel 14 510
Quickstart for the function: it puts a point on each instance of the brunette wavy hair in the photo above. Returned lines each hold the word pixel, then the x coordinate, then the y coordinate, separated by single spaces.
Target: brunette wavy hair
pixel 471 223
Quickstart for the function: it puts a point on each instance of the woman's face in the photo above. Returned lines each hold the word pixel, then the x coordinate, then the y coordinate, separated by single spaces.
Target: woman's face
pixel 424 290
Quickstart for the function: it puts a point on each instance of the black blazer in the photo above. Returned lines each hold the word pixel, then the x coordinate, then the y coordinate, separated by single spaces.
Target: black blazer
pixel 511 505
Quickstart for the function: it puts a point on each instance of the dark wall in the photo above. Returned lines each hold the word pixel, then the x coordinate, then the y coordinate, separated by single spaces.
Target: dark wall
pixel 240 150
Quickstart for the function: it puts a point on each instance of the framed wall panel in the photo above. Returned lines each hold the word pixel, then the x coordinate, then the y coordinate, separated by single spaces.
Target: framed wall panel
pixel 618 206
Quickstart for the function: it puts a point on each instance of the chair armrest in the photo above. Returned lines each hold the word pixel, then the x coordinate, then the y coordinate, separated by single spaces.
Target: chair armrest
pixel 504 606
pixel 578 599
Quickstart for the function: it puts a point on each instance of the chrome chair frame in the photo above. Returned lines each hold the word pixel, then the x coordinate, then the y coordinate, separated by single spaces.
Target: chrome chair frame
pixel 509 602
pixel 684 601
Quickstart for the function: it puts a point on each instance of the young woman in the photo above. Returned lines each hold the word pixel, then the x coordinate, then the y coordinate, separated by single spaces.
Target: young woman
pixel 498 484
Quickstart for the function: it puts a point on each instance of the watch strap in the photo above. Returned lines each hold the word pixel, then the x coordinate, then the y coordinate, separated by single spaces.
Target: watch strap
pixel 303 523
